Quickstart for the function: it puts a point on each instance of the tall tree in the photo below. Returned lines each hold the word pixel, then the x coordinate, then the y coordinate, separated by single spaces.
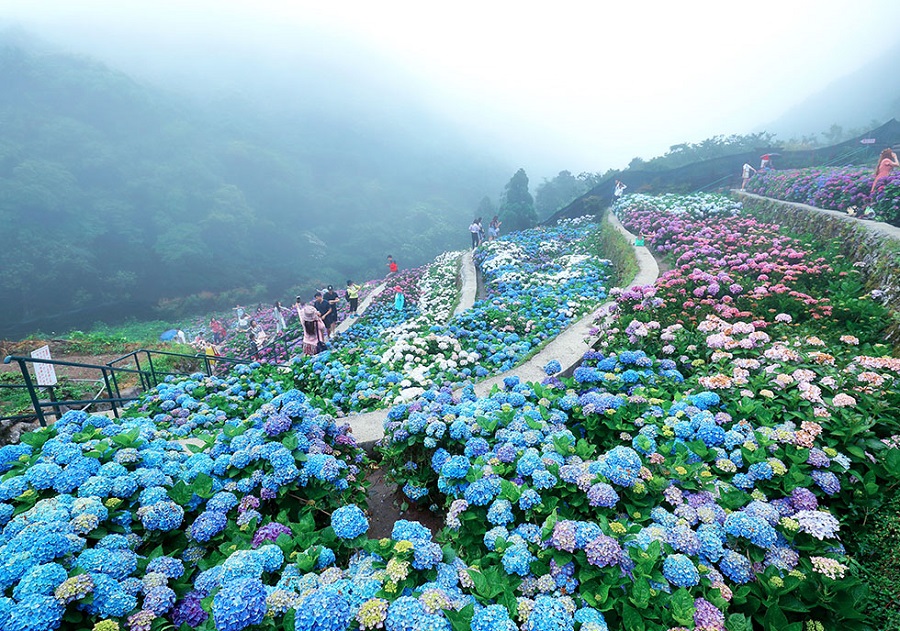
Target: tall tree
pixel 517 204
pixel 553 194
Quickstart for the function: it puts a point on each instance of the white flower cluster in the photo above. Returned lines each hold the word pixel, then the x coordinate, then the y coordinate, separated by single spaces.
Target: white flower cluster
pixel 704 203
pixel 504 253
pixel 438 288
pixel 421 358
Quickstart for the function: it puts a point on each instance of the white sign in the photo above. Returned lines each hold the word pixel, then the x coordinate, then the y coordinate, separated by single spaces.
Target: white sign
pixel 45 373
pixel 867 141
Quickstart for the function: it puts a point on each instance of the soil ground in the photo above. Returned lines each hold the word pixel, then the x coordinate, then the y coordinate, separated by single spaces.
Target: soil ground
pixel 385 503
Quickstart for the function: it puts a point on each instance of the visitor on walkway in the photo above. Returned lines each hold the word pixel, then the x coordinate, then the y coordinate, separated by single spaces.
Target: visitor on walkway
pixel 746 175
pixel 399 298
pixel 353 297
pixel 474 229
pixel 494 228
pixel 218 331
pixel 322 307
pixel 313 330
pixel 256 332
pixel 243 321
pixel 392 266
pixel 619 190
pixel 278 316
pixel 886 163
pixel 332 298
pixel 252 346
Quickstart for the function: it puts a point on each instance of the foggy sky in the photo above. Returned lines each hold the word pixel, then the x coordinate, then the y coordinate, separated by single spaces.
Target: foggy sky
pixel 584 86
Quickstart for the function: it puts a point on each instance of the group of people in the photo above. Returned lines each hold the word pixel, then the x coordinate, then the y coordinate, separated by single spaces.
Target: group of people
pixel 476 229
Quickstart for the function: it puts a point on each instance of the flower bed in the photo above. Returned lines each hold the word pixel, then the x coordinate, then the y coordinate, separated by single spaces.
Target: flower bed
pixel 538 282
pixel 833 188
pixel 671 493
pixel 706 487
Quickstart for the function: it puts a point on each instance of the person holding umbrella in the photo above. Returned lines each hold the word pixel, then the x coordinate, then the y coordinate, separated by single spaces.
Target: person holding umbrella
pixel 765 161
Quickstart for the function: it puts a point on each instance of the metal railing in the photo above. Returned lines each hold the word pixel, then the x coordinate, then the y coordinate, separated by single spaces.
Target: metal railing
pixel 148 375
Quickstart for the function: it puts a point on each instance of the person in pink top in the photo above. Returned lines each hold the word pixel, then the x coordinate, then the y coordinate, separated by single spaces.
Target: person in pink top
pixel 313 329
pixel 886 164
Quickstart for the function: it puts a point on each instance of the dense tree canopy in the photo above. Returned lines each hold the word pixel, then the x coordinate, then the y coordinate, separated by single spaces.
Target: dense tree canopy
pixel 517 206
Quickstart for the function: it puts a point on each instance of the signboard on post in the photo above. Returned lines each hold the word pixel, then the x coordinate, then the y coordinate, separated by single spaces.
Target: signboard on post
pixel 45 373
pixel 867 141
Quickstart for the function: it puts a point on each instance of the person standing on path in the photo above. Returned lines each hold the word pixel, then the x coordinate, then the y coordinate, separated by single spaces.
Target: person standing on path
pixel 392 266
pixel 353 297
pixel 313 329
pixel 399 298
pixel 619 190
pixel 473 230
pixel 494 228
pixel 745 175
pixel 332 298
pixel 322 307
pixel 278 315
pixel 886 163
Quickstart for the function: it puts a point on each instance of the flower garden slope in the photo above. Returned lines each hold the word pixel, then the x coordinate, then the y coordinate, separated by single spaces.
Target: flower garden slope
pixel 833 189
pixel 540 281
pixel 712 500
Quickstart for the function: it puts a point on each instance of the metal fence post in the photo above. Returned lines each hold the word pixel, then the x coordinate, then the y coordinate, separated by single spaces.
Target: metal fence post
pixel 31 391
pixel 109 392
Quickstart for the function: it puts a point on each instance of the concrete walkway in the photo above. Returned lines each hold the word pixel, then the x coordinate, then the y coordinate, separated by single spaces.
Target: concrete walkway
pixel 347 323
pixel 568 348
pixel 469 283
pixel 878 227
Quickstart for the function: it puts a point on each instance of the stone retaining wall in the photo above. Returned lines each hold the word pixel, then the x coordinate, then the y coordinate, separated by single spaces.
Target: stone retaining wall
pixel 875 245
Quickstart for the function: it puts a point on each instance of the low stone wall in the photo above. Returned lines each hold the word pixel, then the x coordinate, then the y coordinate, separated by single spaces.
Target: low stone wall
pixel 875 245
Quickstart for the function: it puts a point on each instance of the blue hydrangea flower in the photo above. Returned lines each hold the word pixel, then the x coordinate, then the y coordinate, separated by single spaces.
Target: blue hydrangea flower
pixel 349 522
pixel 517 559
pixel 493 618
pixel 239 604
pixel 680 571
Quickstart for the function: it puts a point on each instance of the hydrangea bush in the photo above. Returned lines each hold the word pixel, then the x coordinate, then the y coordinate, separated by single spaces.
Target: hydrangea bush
pixel 700 470
pixel 833 188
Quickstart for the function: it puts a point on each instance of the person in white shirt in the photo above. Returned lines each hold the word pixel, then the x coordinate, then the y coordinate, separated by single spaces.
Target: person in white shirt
pixel 746 175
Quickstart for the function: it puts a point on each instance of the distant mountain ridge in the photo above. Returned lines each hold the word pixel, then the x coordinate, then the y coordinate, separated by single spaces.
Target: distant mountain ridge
pixel 871 94
pixel 118 196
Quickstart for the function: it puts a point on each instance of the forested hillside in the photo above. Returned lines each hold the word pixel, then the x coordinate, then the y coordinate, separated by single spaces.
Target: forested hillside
pixel 117 198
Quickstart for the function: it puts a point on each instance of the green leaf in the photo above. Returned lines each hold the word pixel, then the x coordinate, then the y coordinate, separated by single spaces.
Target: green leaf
pixel 126 439
pixel 632 619
pixel 35 439
pixel 481 583
pixel 640 593
pixel 291 442
pixel 460 620
pixel 510 491
pixel 203 486
pixel 549 523
pixel 682 607
pixel 775 618
pixel 738 622
pixel 181 493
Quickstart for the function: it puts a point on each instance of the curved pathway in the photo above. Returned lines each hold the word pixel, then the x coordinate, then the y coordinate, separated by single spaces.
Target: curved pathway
pixel 469 283
pixel 878 227
pixel 348 322
pixel 568 347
